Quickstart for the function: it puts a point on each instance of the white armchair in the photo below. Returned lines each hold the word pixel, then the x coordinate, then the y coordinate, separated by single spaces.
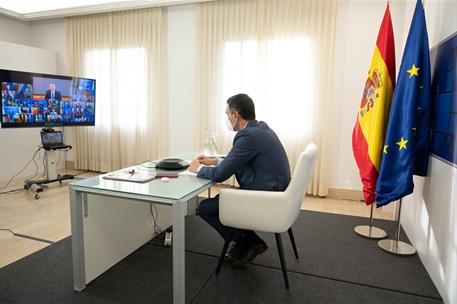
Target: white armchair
pixel 268 211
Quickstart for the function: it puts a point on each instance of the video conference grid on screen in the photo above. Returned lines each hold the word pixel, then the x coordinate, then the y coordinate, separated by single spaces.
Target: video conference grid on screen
pixel 51 138
pixel 32 100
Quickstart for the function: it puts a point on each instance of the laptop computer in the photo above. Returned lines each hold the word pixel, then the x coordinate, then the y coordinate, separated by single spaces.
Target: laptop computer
pixel 53 140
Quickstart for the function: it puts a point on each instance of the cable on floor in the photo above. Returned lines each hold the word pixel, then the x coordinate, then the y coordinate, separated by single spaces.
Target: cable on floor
pixel 27 236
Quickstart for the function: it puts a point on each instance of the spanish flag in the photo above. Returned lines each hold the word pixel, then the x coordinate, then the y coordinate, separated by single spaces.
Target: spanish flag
pixel 370 127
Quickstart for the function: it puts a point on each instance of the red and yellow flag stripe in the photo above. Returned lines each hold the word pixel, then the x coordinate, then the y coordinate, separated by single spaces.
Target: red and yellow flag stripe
pixel 370 127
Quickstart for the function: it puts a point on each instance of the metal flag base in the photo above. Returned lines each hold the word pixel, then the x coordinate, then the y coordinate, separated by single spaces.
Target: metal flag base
pixel 370 232
pixel 396 247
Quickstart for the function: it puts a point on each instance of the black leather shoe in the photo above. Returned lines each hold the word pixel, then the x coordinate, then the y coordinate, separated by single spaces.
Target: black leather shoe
pixel 250 253
pixel 234 253
pixel 254 250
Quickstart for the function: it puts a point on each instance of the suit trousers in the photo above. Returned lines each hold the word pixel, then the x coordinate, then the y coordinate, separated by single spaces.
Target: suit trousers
pixel 208 210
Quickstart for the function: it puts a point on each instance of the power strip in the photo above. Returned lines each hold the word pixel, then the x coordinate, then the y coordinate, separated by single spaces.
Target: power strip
pixel 168 238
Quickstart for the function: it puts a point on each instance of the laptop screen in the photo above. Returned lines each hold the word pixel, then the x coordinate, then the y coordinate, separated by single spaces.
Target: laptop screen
pixel 51 138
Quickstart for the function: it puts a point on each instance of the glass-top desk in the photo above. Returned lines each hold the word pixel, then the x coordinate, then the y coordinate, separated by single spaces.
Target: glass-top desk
pixel 176 189
pixel 111 219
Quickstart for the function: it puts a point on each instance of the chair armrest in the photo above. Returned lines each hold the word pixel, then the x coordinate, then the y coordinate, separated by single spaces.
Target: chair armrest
pixel 267 211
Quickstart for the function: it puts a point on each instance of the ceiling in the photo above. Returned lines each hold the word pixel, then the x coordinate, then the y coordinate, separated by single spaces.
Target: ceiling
pixel 27 10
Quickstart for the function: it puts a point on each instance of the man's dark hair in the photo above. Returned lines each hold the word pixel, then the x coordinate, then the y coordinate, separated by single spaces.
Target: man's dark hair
pixel 242 104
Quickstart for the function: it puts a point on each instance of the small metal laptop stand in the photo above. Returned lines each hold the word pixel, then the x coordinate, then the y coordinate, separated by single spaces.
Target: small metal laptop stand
pixel 51 170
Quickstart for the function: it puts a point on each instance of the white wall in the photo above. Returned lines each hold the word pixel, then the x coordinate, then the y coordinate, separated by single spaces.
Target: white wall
pixel 181 35
pixel 429 215
pixel 50 34
pixel 14 31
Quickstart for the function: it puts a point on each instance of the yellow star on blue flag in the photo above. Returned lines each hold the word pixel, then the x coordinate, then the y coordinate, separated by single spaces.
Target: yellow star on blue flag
pixel 402 143
pixel 414 71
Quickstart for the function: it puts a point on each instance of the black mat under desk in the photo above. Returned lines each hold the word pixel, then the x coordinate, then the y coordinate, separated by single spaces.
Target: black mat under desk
pixel 335 266
pixel 328 247
pixel 145 276
pixel 237 286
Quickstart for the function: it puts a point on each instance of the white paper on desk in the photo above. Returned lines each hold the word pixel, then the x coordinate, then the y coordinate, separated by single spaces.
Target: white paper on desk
pixel 216 156
pixel 187 172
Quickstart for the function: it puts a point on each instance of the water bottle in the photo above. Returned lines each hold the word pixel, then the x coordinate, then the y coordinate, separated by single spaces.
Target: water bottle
pixel 213 145
pixel 207 145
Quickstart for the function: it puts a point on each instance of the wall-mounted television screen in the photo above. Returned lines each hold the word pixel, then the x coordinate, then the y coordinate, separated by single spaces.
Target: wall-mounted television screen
pixel 43 100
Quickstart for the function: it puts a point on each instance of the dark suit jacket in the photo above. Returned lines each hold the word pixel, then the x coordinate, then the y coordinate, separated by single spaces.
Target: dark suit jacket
pixel 257 159
pixel 57 95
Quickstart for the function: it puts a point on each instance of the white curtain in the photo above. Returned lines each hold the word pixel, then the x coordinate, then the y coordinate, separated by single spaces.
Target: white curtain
pixel 281 54
pixel 126 53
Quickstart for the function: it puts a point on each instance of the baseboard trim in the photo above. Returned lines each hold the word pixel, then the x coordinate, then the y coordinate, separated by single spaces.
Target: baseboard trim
pixel 70 164
pixel 345 194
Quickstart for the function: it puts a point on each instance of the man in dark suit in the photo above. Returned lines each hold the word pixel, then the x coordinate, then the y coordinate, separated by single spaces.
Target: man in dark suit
pixel 258 161
pixel 52 93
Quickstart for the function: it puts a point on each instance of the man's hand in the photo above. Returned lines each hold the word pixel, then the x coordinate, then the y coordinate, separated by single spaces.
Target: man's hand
pixel 194 165
pixel 207 161
pixel 201 160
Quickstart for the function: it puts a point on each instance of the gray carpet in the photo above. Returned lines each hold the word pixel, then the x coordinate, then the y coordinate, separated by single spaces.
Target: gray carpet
pixel 328 247
pixel 266 285
pixel 335 265
pixel 145 276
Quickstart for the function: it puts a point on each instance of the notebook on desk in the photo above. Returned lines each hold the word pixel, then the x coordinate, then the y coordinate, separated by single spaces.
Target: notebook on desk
pixel 130 176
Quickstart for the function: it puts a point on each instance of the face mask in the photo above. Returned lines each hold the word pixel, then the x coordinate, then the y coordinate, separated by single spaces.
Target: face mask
pixel 229 124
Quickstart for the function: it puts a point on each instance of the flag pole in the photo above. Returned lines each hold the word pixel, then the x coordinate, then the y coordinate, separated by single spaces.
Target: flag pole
pixel 370 231
pixel 397 247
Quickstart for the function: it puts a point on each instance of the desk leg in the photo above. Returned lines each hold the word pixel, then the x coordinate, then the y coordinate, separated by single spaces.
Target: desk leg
pixel 179 281
pixel 77 240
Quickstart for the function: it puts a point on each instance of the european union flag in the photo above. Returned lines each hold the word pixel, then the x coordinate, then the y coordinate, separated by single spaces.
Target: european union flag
pixel 407 143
